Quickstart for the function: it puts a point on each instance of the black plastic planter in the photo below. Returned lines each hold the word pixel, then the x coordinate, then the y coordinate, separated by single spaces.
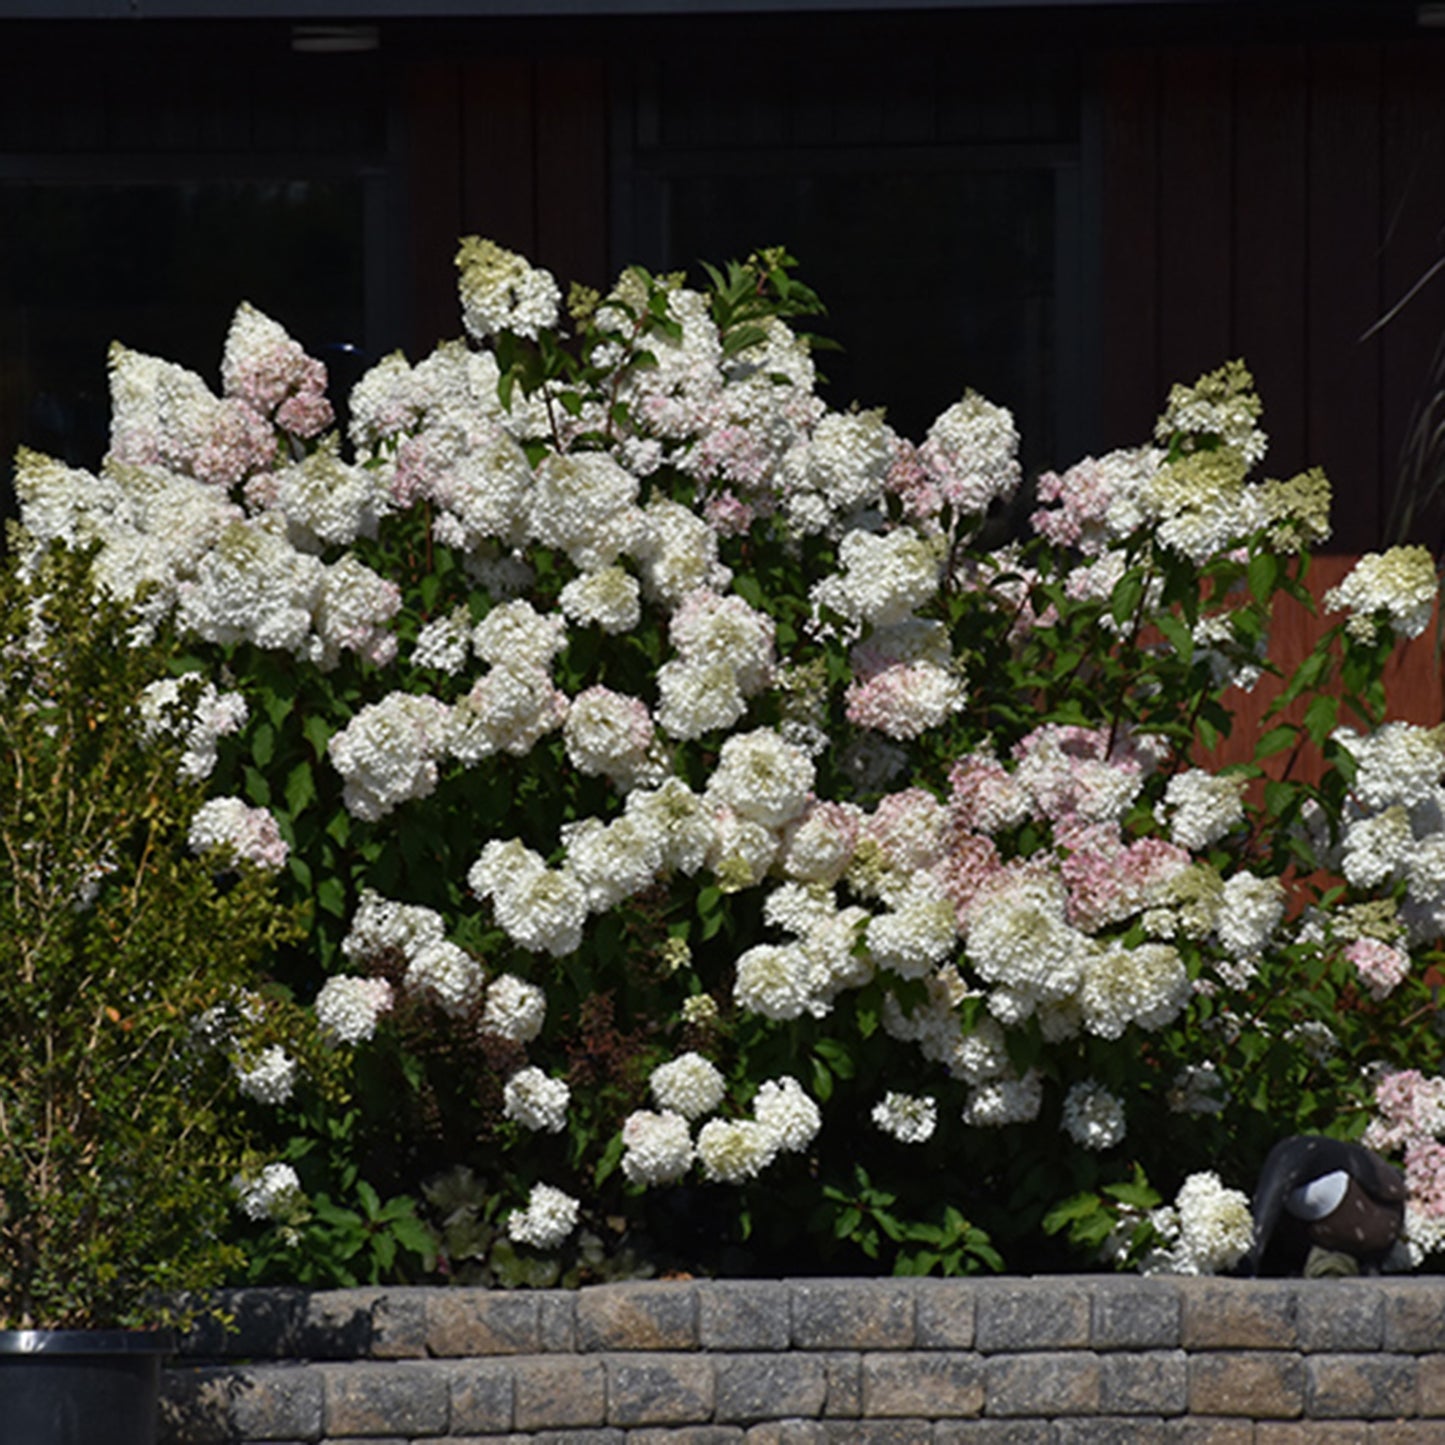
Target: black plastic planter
pixel 80 1387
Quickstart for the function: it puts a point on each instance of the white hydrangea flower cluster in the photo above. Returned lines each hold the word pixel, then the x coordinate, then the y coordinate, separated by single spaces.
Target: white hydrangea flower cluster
pixel 657 1147
pixel 1399 585
pixel 268 1077
pixel 246 834
pixel 536 1101
pixel 1200 807
pixel 1092 1116
pixel 908 1118
pixel 434 965
pixel 270 1193
pixel 347 1008
pixel 1207 1230
pixel 501 292
pixel 212 716
pixel 839 470
pixel 689 1086
pixel 550 1216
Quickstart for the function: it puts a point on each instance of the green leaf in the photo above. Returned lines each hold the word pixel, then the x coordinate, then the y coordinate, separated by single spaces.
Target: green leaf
pixel 1263 572
pixel 263 744
pixel 1321 717
pixel 1276 740
pixel 300 788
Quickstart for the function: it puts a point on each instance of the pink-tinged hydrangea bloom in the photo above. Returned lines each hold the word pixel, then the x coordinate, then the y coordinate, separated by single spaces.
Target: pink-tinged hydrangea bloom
pixel 984 797
pixel 708 628
pixel 607 732
pixel 1409 1105
pixel 1109 881
pixel 248 834
pixel 1065 771
pixel 971 452
pixel 818 846
pixel 1425 1176
pixel 910 829
pixel 1382 967
pixel 906 700
pixel 971 862
pixel 264 367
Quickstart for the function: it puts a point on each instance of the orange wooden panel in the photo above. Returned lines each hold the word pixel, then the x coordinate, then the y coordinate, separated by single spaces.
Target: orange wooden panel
pixel 1413 680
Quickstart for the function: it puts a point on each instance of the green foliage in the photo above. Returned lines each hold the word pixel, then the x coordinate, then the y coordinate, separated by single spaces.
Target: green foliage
pixel 119 1128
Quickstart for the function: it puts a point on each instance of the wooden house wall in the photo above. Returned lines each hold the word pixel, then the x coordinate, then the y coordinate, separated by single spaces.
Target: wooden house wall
pixel 1275 202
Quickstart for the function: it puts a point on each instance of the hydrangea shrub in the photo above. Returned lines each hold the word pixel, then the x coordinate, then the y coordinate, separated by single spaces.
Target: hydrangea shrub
pixel 711 840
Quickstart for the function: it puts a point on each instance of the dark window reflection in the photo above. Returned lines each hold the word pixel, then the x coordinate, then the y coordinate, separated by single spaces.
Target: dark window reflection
pixel 161 268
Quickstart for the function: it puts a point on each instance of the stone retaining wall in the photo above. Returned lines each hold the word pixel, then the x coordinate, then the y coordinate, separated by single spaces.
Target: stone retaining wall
pixel 1063 1360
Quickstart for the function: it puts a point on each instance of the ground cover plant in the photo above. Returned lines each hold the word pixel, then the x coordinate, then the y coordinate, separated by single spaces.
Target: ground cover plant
pixel 721 852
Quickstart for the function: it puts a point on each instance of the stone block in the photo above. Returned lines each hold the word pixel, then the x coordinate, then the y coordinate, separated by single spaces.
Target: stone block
pixel 689 1435
pixel 601 1436
pixel 472 1322
pixel 1134 1314
pixel 1155 1382
pixel 787 1432
pixel 250 1324
pixel 1266 1386
pixel 1414 1315
pixel 859 1314
pixel 557 1320
pixel 844 1400
pixel 1189 1431
pixel 1360 1387
pixel 558 1392
pixel 1344 1315
pixel 481 1397
pixel 1237 1314
pixel 398 1324
pixel 1042 1384
pixel 650 1316
pixel 1430 1381
pixel 1404 1432
pixel 933 1386
pixel 878 1432
pixel 1311 1432
pixel 1107 1431
pixel 992 1432
pixel 215 1403
pixel 769 1387
pixel 1031 1315
pixel 405 1397
pixel 943 1314
pixel 337 1324
pixel 743 1315
pixel 659 1389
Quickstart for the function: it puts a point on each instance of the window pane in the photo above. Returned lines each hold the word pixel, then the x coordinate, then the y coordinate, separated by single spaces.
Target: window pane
pixel 160 268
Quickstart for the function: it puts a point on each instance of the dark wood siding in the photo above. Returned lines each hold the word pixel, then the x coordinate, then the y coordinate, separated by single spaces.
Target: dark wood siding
pixel 1274 202
pixel 513 149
